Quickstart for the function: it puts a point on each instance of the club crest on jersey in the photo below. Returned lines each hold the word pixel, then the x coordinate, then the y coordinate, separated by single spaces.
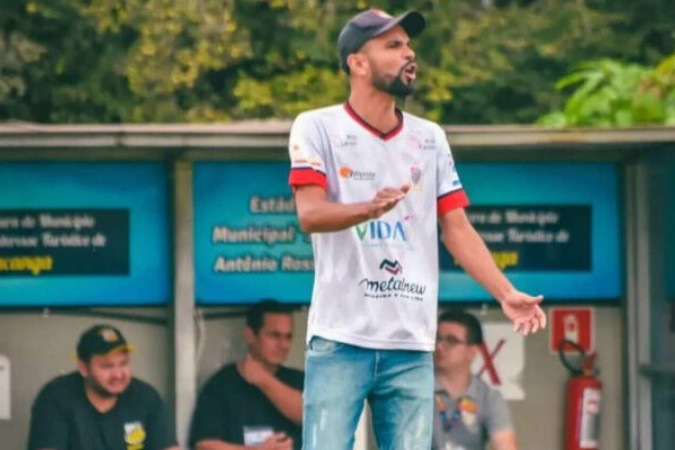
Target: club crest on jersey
pixel 134 435
pixel 416 178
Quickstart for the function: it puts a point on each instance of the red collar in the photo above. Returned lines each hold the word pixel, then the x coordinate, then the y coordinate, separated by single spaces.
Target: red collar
pixel 382 135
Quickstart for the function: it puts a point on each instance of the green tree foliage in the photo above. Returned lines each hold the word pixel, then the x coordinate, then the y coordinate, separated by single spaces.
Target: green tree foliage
pixel 612 93
pixel 482 61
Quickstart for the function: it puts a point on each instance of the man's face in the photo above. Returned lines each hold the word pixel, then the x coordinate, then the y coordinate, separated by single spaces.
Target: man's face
pixel 391 62
pixel 108 375
pixel 453 352
pixel 273 341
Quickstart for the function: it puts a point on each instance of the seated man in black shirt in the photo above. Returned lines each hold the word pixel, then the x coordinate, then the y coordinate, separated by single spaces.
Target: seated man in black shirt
pixel 100 406
pixel 255 403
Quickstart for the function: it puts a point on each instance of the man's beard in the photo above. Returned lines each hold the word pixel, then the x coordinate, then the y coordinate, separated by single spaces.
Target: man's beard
pixel 395 87
pixel 99 389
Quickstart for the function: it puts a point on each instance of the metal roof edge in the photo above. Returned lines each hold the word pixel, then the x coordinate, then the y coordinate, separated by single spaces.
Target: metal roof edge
pixel 274 134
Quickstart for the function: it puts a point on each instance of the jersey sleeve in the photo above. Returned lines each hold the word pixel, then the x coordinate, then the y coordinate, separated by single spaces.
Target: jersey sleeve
pixel 49 422
pixel 450 192
pixel 306 153
pixel 497 415
pixel 209 420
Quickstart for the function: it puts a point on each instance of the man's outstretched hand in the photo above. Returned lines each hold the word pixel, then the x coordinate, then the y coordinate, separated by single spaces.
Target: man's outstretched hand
pixel 525 312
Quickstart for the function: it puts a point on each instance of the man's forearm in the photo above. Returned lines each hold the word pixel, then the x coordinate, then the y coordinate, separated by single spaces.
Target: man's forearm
pixel 504 440
pixel 212 444
pixel 328 217
pixel 470 251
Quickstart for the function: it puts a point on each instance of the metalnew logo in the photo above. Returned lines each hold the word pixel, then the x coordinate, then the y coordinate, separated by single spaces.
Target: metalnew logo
pixel 393 287
pixel 393 267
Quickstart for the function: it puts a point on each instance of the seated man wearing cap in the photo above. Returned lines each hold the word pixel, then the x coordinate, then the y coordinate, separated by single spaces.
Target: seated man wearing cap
pixel 100 406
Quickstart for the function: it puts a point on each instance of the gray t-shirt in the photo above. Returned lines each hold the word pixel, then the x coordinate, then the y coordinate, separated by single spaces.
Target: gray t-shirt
pixel 467 422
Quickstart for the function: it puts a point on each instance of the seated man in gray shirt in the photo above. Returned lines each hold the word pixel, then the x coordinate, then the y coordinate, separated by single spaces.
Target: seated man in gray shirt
pixel 467 412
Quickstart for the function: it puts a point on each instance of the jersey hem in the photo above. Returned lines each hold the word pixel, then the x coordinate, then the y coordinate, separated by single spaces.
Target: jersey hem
pixel 359 341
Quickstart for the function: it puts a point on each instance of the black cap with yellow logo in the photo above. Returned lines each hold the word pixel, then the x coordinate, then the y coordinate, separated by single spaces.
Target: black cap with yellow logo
pixel 101 340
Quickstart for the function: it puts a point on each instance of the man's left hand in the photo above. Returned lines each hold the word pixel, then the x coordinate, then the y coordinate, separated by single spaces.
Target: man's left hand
pixel 524 311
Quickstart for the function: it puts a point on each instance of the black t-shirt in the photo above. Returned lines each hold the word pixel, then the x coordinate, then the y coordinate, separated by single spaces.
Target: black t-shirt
pixel 228 406
pixel 63 418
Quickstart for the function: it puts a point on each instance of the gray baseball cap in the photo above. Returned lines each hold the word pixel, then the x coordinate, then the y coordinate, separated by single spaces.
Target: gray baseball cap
pixel 371 23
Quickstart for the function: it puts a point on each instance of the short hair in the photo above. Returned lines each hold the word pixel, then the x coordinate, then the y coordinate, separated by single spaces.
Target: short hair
pixel 474 330
pixel 255 317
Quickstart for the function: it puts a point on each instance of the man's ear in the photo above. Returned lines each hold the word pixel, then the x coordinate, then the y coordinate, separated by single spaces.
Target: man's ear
pixel 473 351
pixel 356 63
pixel 82 368
pixel 249 335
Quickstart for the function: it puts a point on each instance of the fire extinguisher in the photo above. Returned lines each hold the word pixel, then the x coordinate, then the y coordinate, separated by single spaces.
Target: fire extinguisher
pixel 582 403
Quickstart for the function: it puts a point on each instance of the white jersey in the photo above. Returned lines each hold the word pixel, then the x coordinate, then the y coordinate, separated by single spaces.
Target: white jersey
pixel 376 283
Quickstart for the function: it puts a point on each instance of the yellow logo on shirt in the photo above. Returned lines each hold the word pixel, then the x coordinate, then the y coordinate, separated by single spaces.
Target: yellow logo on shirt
pixel 134 435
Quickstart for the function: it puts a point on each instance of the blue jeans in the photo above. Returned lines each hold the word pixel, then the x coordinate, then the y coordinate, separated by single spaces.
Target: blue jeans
pixel 339 378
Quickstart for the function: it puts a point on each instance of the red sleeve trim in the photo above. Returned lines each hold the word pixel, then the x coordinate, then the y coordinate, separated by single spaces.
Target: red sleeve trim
pixel 304 176
pixel 452 200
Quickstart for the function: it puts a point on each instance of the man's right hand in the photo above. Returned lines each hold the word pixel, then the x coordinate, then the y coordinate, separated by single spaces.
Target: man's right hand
pixel 385 200
pixel 253 371
pixel 278 441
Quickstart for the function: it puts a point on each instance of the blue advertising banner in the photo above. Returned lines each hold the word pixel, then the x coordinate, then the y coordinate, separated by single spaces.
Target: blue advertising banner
pixel 554 229
pixel 83 234
pixel 248 243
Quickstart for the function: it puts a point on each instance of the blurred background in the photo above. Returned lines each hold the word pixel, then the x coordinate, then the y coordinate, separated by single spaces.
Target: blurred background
pixel 483 61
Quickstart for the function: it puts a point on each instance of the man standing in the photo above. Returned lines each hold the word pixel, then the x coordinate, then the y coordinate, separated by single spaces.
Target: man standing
pixel 101 406
pixel 467 412
pixel 257 402
pixel 371 184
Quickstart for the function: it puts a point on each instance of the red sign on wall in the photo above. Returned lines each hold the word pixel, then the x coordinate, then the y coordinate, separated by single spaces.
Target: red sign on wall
pixel 572 324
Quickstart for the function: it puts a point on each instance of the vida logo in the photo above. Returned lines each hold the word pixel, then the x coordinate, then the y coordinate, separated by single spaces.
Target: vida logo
pixel 380 230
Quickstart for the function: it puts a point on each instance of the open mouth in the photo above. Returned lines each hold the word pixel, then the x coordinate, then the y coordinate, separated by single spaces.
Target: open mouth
pixel 410 71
